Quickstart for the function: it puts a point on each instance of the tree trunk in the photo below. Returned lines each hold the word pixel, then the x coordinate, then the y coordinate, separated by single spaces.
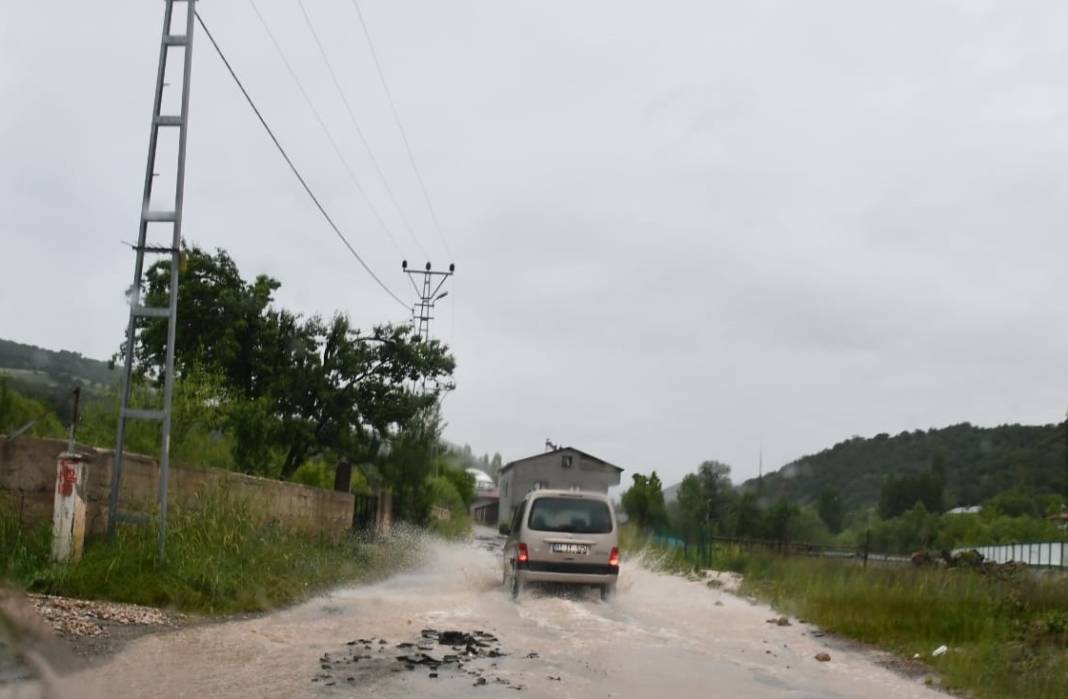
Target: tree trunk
pixel 294 458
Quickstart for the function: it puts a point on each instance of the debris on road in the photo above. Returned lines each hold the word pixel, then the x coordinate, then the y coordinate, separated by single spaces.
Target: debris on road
pixel 823 657
pixel 444 654
pixel 780 621
pixel 940 650
pixel 77 618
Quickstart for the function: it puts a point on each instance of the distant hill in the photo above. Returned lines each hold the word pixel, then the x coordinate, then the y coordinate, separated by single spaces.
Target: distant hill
pixel 51 375
pixel 979 462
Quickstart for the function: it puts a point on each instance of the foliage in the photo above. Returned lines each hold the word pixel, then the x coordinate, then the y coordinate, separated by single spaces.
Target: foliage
pixel 408 466
pixel 17 410
pixel 23 550
pixel 831 509
pixel 779 519
pixel 1018 502
pixel 300 387
pixel 715 479
pixel 900 493
pixel 1005 635
pixel 318 473
pixel 226 324
pixel 68 366
pixel 918 528
pixel 691 511
pixel 976 463
pixel 222 557
pixel 200 407
pixel 464 458
pixel 444 491
pixel 462 482
pixel 644 501
pixel 706 501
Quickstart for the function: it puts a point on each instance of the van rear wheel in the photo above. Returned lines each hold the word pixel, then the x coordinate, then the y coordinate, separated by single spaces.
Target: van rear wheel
pixel 517 584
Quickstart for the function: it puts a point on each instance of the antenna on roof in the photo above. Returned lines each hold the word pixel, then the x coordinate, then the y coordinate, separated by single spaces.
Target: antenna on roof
pixel 549 446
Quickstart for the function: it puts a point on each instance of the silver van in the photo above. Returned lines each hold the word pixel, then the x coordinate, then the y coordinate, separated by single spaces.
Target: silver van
pixel 562 536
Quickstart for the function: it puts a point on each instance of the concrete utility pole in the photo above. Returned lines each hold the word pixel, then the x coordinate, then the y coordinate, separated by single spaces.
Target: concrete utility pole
pixel 428 295
pixel 178 46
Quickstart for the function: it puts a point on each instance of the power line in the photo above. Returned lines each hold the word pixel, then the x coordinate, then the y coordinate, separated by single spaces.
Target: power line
pixel 356 125
pixel 400 127
pixel 322 124
pixel 300 178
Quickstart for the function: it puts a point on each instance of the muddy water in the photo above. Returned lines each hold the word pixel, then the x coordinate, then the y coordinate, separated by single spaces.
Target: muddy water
pixel 661 636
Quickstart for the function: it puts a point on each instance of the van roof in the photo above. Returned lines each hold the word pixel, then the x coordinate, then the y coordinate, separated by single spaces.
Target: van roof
pixel 581 494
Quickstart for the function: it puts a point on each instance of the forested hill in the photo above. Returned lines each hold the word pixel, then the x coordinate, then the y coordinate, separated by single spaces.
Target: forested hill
pixel 977 463
pixel 27 361
pixel 50 375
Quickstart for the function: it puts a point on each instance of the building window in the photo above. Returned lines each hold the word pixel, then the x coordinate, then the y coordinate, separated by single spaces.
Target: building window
pixel 540 485
pixel 574 486
pixel 567 460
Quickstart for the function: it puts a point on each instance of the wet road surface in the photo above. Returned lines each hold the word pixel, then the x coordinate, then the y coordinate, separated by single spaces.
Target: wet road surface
pixel 660 636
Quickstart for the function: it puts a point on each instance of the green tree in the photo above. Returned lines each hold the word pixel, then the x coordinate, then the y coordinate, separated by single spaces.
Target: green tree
pixel 900 493
pixel 780 518
pixel 408 465
pixel 692 508
pixel 644 501
pixel 1015 503
pixel 301 387
pixel 831 510
pixel 463 483
pixel 748 517
pixel 222 325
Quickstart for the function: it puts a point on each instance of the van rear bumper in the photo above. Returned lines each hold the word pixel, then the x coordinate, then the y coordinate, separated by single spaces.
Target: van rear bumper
pixel 567 572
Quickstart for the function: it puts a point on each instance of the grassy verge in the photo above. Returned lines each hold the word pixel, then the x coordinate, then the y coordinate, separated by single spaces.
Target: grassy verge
pixel 221 558
pixel 1007 634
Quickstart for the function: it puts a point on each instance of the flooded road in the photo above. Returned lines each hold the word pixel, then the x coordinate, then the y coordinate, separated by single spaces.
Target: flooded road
pixel 660 636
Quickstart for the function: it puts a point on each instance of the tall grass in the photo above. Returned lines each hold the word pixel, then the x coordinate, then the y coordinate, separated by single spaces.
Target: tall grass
pixel 23 550
pixel 1008 635
pixel 222 557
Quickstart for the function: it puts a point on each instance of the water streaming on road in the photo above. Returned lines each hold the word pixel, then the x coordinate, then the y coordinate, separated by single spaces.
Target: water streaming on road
pixel 659 636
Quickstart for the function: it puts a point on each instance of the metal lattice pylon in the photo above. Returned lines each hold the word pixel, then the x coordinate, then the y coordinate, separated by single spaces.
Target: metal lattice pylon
pixel 170 44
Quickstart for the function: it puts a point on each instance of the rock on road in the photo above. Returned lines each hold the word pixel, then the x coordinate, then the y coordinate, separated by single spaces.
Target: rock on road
pixel 660 636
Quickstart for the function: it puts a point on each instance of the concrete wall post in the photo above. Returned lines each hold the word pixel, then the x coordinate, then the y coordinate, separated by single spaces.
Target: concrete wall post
pixel 68 511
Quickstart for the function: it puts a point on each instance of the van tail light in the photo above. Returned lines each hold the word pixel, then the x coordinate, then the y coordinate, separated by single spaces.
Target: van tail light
pixel 613 558
pixel 522 555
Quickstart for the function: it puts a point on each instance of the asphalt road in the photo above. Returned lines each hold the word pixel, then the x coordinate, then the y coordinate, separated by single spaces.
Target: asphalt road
pixel 661 636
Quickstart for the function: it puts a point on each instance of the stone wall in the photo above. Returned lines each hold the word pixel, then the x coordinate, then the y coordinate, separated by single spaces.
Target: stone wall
pixel 28 474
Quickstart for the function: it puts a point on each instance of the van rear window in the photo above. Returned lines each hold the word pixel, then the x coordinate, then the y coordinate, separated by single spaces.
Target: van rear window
pixel 571 515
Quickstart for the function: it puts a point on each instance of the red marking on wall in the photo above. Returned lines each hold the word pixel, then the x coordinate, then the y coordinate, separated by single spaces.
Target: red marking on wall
pixel 68 478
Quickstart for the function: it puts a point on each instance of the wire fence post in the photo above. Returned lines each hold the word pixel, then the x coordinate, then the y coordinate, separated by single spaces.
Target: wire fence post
pixel 867 546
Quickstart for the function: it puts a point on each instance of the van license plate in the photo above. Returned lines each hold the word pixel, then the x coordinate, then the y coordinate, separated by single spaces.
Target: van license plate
pixel 580 549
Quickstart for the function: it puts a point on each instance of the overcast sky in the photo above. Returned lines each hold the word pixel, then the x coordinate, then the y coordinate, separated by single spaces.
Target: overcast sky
pixel 682 230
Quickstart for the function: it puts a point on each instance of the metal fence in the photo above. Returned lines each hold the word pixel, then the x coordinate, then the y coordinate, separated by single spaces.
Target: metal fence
pixel 701 549
pixel 1040 554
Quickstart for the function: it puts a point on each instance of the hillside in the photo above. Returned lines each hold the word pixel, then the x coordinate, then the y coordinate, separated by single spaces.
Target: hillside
pixel 979 462
pixel 50 375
